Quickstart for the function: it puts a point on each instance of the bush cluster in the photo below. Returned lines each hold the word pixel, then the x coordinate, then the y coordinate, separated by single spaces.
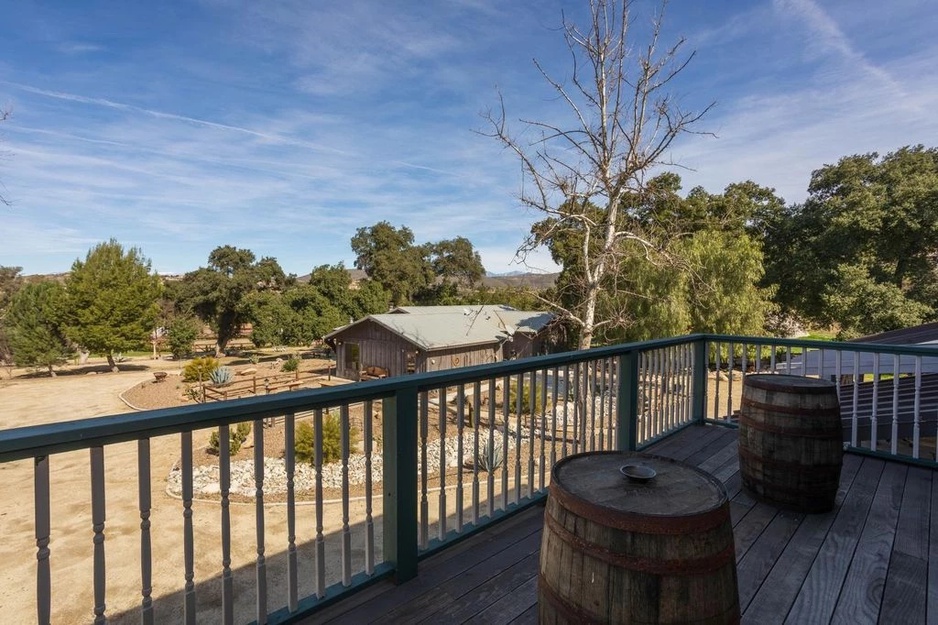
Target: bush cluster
pixel 291 364
pixel 236 437
pixel 199 369
pixel 305 441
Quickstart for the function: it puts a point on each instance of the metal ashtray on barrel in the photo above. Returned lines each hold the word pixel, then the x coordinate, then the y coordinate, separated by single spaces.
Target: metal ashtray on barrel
pixel 791 441
pixel 635 538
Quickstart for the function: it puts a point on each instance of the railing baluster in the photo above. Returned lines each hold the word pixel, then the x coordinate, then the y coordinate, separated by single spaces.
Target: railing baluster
pixel 224 487
pixel 490 476
pixel 424 527
pixel 368 435
pixel 261 564
pixel 874 433
pixel 543 427
pixel 576 409
pixel 642 431
pixel 476 419
pixel 506 405
pixel 320 539
pixel 460 458
pixel 344 427
pixel 772 349
pixel 146 551
pixel 804 362
pixel 894 443
pixel 98 510
pixel 532 413
pixel 916 406
pixel 289 462
pixel 553 417
pixel 729 387
pixel 442 498
pixel 519 406
pixel 716 386
pixel 187 533
pixel 855 417
pixel 43 525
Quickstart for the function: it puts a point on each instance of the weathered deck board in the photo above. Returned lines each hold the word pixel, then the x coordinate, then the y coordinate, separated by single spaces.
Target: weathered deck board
pixel 868 561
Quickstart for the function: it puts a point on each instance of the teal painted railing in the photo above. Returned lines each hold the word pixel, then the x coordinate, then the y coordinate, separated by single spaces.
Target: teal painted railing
pixel 441 456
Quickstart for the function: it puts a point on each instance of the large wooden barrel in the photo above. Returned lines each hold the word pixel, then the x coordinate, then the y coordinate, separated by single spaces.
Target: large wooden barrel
pixel 791 441
pixel 618 551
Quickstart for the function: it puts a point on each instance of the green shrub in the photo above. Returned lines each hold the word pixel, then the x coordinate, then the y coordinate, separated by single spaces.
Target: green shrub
pixel 199 369
pixel 182 333
pixel 255 358
pixel 525 398
pixel 305 440
pixel 221 376
pixel 291 364
pixel 236 437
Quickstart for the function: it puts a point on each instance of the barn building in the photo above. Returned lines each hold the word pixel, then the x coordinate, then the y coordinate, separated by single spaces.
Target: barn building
pixel 417 339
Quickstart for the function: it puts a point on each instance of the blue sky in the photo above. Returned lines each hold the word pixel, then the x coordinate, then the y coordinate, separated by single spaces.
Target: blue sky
pixel 283 126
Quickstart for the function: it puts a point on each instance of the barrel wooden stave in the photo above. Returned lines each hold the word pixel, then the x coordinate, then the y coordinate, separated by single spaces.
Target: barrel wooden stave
pixel 654 570
pixel 790 442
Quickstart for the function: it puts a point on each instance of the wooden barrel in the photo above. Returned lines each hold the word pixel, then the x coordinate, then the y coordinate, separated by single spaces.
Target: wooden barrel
pixel 618 551
pixel 791 441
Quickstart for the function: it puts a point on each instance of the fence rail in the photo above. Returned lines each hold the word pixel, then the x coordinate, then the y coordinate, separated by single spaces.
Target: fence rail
pixel 355 483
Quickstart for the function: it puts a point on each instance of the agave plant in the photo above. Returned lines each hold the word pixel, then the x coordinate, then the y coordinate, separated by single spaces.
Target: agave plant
pixel 490 457
pixel 221 376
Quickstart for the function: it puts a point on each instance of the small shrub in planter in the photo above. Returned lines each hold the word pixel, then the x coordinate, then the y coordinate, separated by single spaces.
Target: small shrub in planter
pixel 291 364
pixel 199 369
pixel 236 437
pixel 305 440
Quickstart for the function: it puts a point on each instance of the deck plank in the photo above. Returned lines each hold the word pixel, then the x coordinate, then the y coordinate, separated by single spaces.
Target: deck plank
pixel 869 559
pixel 780 589
pixel 862 594
pixel 818 597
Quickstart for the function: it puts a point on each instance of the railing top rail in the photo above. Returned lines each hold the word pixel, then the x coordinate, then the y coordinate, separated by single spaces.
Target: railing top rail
pixel 41 440
pixel 902 350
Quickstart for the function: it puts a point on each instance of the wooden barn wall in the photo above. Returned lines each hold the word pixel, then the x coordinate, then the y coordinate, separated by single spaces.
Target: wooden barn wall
pixel 522 346
pixel 378 347
pixel 452 358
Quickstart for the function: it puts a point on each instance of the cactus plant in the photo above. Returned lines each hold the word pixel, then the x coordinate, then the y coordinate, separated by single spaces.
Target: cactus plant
pixel 221 376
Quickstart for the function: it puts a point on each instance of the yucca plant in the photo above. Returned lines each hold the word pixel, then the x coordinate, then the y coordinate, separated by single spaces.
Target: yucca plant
pixel 221 376
pixel 490 457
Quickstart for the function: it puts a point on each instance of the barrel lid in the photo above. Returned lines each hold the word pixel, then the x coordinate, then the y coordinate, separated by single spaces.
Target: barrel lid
pixel 780 382
pixel 677 490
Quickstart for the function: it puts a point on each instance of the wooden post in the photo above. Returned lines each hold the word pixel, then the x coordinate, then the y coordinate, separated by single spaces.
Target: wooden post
pixel 700 381
pixel 400 477
pixel 628 401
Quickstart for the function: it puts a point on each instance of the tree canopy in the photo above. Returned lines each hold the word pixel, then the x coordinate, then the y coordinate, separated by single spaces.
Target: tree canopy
pixel 415 273
pixel 34 326
pixel 865 240
pixel 218 294
pixel 112 300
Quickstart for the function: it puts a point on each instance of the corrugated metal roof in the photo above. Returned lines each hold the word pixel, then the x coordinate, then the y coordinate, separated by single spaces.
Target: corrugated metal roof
pixel 916 335
pixel 457 326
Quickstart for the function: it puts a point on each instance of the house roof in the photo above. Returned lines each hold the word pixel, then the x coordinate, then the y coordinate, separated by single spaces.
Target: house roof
pixel 444 327
pixel 916 335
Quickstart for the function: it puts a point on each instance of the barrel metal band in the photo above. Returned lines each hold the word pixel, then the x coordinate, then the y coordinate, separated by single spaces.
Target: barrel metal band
pixel 676 568
pixel 570 613
pixel 751 456
pixel 827 433
pixel 828 411
pixel 641 523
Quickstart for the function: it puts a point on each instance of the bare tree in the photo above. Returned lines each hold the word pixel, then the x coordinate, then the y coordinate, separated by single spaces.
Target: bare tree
pixel 624 120
pixel 4 115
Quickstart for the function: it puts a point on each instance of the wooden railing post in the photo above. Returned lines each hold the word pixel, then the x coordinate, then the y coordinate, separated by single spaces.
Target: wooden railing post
pixel 400 482
pixel 627 403
pixel 700 380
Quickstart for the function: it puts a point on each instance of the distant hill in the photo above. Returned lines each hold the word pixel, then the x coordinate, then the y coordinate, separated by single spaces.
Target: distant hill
pixel 518 280
pixel 515 279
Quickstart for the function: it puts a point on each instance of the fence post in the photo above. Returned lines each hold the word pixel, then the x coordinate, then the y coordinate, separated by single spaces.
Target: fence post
pixel 699 406
pixel 627 401
pixel 400 482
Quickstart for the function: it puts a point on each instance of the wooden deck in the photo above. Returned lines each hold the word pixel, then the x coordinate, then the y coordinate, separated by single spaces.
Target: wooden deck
pixel 868 561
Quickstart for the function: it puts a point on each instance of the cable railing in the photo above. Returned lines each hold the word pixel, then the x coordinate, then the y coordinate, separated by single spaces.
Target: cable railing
pixel 337 487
